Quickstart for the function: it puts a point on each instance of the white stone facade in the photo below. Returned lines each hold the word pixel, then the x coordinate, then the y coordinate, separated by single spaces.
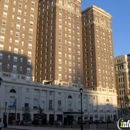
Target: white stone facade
pixel 101 103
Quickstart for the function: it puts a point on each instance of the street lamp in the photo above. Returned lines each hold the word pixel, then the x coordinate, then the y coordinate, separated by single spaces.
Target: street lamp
pixel 1 80
pixel 0 98
pixel 81 92
pixel 5 116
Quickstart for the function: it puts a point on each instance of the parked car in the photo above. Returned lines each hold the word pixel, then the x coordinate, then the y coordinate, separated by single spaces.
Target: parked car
pixel 110 121
pixel 57 123
pixel 27 122
pixel 101 122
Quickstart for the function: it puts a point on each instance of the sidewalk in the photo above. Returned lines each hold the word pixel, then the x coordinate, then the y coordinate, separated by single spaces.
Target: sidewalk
pixel 47 128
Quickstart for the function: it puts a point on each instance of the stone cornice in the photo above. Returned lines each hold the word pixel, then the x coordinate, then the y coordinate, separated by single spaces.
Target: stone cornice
pixel 55 87
pixel 93 7
pixel 72 11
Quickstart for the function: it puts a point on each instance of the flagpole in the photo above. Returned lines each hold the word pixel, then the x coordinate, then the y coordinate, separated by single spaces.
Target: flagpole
pixel 15 107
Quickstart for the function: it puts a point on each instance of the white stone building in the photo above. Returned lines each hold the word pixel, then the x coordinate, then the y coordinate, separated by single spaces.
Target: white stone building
pixel 58 102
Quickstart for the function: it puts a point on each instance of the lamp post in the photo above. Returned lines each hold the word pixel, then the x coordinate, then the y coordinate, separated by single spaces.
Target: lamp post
pixel 81 92
pixel 9 116
pixel 5 116
pixel 0 99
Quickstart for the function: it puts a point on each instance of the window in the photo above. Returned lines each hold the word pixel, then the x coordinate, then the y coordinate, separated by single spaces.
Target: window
pixel 25 6
pixel 1 47
pixel 59 104
pixel 20 68
pixel 21 51
pixel 35 103
pixel 30 38
pixel 1 55
pixel 29 62
pixel 50 104
pixel 16 42
pixel 31 16
pixel 8 57
pixel 29 53
pixel 27 90
pixel 30 30
pixel 69 104
pixel 32 3
pixel 14 67
pixel 4 22
pixel 16 50
pixel 27 100
pixel 21 59
pixel 2 38
pixel 28 70
pixel 8 66
pixel 17 26
pixel 2 30
pixel 19 12
pixel 13 9
pixel 5 14
pixel 30 46
pixel 17 34
pixel 20 5
pixel 15 59
pixel 32 10
pixel 5 7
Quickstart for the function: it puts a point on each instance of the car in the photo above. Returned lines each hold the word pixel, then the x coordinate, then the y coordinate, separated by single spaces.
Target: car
pixel 27 122
pixel 57 123
pixel 101 121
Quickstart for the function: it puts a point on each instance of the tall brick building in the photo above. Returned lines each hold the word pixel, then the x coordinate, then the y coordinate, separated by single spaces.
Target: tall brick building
pixel 18 23
pixel 59 42
pixel 98 63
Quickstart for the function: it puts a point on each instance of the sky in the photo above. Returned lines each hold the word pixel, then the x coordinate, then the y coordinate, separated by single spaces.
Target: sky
pixel 120 11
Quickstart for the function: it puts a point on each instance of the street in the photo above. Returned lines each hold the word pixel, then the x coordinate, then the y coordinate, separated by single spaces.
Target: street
pixel 92 127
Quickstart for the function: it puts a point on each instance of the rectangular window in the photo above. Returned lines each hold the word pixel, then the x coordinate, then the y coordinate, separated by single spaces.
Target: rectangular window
pixel 2 30
pixel 2 38
pixel 30 46
pixel 27 101
pixel 15 59
pixel 35 103
pixel 14 67
pixel 1 55
pixel 4 22
pixel 20 68
pixel 5 7
pixel 17 26
pixel 29 62
pixel 28 70
pixel 30 38
pixel 1 47
pixel 19 12
pixel 29 53
pixel 8 66
pixel 50 104
pixel 16 50
pixel 5 14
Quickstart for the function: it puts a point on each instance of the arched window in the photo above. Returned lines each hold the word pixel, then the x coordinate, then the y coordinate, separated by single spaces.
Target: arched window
pixel 70 97
pixel 12 91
